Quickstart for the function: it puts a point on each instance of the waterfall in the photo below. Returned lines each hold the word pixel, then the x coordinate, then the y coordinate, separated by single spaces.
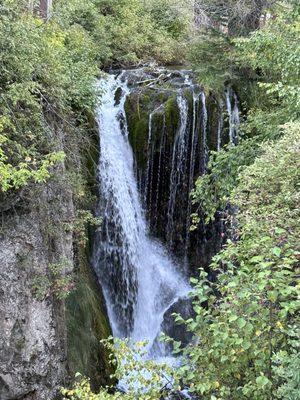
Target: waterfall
pixel 194 142
pixel 179 159
pixel 233 115
pixel 160 161
pixel 220 127
pixel 139 280
pixel 149 160
pixel 204 134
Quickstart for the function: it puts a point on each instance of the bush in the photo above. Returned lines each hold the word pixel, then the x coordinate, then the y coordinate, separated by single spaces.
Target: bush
pixel 246 317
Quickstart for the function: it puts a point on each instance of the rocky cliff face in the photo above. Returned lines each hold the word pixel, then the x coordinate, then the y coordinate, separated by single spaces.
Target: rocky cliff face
pixel 173 125
pixel 39 328
pixel 33 348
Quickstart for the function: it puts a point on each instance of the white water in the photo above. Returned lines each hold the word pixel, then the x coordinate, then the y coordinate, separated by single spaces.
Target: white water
pixel 233 115
pixel 149 159
pixel 194 142
pixel 139 280
pixel 179 159
pixel 220 127
pixel 204 133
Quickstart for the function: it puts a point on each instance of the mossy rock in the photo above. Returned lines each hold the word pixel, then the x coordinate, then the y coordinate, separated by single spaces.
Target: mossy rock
pixel 172 115
pixel 138 108
pixel 87 325
pixel 212 122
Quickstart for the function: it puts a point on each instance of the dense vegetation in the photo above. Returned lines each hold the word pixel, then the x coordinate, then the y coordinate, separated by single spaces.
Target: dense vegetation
pixel 246 329
pixel 50 68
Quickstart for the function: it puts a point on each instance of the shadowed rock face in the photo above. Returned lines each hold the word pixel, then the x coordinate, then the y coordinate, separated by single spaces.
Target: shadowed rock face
pixel 178 331
pixel 173 124
pixel 43 339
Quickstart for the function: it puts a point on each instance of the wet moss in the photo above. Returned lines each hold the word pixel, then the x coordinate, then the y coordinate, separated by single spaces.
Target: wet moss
pixel 157 127
pixel 87 321
pixel 172 116
pixel 138 136
pixel 138 108
pixel 212 122
pixel 87 324
pixel 188 94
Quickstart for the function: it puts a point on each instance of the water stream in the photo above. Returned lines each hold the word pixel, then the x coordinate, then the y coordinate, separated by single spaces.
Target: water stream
pixel 233 115
pixel 139 280
pixel 179 164
pixel 139 202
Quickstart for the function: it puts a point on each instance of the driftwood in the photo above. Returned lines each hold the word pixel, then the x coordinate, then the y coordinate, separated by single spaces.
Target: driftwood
pixel 149 82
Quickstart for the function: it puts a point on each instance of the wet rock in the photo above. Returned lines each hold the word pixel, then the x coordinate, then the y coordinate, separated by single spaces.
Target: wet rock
pixel 175 330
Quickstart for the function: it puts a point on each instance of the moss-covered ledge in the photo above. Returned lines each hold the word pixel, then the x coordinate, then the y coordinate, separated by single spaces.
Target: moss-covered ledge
pixel 138 107
pixel 87 324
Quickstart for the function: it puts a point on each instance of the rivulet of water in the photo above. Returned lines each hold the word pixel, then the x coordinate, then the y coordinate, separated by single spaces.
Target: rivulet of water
pixel 233 115
pixel 179 163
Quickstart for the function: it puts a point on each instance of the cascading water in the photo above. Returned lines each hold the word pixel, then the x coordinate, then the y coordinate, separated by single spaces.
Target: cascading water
pixel 220 126
pixel 159 170
pixel 194 142
pixel 171 127
pixel 179 159
pixel 140 282
pixel 149 161
pixel 233 115
pixel 204 134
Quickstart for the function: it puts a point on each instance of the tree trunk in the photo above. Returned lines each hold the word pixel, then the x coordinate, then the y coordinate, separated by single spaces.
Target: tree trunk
pixel 30 6
pixel 45 9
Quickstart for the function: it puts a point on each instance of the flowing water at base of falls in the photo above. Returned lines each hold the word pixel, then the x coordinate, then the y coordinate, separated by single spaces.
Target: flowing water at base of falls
pixel 139 280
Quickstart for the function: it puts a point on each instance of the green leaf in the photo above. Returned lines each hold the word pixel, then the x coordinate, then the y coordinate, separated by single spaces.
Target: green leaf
pixel 262 381
pixel 241 323
pixel 276 251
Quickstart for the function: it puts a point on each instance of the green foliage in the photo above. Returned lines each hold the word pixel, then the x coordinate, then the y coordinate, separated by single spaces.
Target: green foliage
pixel 212 190
pixel 44 70
pixel 212 58
pixel 41 287
pixel 48 71
pixel 274 51
pixel 243 332
pixel 245 322
pixel 61 279
pixel 16 176
pixel 213 49
pixel 59 282
pixel 145 31
pixel 83 220
pixel 132 31
pixel 145 379
pixel 287 368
